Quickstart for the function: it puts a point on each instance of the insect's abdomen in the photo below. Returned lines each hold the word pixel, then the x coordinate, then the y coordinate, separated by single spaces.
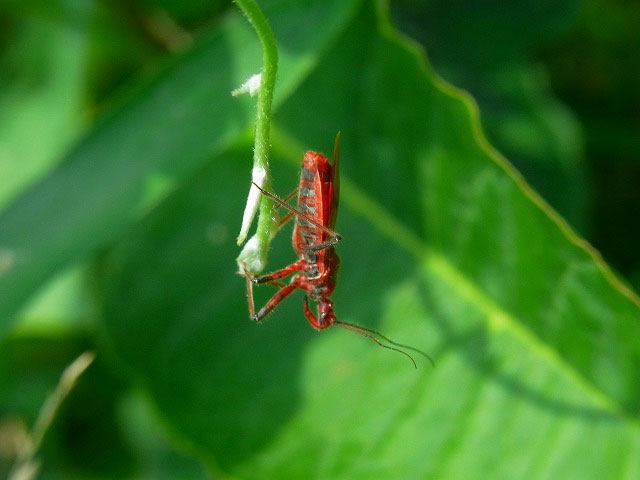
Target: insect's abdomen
pixel 311 202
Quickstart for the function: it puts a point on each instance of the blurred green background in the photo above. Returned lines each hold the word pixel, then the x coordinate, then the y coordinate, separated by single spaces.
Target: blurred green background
pixel 124 164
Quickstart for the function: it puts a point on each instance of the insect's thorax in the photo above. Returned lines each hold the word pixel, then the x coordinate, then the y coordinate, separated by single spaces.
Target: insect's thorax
pixel 321 271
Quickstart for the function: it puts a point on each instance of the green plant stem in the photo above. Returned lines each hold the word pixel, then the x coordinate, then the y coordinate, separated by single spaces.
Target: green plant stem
pixel 262 144
pixel 267 84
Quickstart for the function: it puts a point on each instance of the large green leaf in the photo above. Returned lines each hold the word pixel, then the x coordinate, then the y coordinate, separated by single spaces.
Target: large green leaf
pixel 500 68
pixel 537 344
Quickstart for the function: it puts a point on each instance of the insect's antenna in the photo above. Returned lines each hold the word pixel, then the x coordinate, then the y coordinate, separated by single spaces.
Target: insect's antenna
pixel 355 329
pixel 369 333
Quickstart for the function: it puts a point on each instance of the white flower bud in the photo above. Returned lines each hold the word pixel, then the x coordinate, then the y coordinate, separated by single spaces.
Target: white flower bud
pixel 251 86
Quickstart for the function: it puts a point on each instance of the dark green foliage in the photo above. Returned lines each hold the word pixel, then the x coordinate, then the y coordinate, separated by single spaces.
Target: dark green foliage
pixel 126 246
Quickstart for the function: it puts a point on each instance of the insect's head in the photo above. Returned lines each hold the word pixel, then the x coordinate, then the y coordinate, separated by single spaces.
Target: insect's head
pixel 325 312
pixel 325 318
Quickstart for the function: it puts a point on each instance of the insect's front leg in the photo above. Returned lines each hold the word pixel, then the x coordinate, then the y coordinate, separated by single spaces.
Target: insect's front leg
pixel 278 274
pixel 270 278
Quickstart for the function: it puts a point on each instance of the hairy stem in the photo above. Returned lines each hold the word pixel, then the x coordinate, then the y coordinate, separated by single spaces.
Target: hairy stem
pixel 255 252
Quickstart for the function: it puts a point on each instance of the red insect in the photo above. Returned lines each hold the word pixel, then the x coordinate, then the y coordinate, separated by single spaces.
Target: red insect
pixel 314 241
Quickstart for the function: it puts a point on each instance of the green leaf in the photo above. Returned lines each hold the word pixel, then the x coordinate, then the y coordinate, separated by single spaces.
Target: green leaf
pixel 536 342
pixel 501 69
pixel 445 247
pixel 43 69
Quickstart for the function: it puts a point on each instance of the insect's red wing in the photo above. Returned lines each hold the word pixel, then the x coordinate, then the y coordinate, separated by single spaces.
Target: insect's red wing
pixel 335 188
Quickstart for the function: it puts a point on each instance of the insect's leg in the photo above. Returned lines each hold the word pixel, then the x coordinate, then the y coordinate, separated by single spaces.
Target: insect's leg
pixel 291 194
pixel 277 275
pixel 285 219
pixel 289 214
pixel 323 245
pixel 280 295
pixel 313 320
pixel 252 307
pixel 271 278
